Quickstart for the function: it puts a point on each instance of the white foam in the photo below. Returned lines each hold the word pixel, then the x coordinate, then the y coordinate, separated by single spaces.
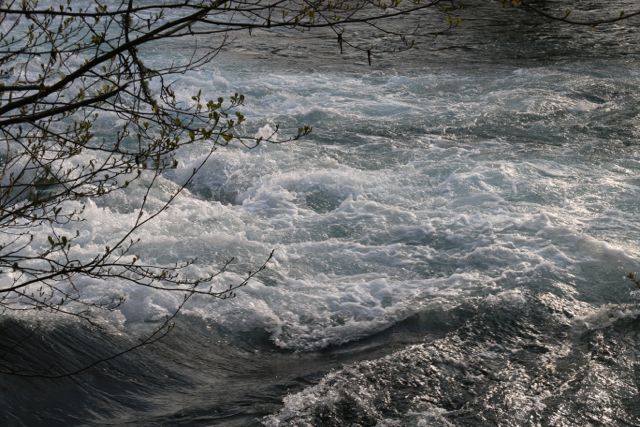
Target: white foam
pixel 377 215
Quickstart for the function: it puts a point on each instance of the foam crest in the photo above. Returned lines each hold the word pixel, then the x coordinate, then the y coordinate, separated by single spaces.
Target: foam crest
pixel 519 357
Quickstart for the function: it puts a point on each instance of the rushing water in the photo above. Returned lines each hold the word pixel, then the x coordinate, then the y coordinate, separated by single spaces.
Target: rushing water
pixel 450 244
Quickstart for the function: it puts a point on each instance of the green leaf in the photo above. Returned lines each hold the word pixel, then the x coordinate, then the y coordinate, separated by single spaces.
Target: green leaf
pixel 97 38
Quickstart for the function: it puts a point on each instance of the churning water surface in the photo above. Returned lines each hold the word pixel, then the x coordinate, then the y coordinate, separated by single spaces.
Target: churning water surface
pixel 450 243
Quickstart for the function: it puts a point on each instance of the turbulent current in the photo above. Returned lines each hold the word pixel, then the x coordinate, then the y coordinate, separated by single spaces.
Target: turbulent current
pixel 451 244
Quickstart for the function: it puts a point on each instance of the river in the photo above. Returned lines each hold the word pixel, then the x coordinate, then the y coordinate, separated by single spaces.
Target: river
pixel 450 242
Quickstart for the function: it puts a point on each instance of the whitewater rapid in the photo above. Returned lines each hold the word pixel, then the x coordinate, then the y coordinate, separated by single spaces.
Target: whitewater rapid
pixel 450 245
pixel 405 198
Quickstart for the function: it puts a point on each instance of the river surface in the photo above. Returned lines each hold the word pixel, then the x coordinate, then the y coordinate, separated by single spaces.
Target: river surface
pixel 450 243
